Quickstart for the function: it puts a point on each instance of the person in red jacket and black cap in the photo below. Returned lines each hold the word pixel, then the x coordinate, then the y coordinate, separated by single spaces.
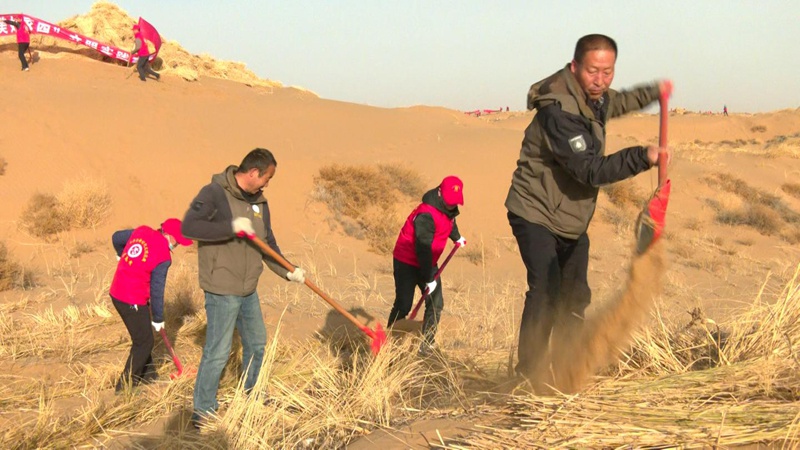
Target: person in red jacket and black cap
pixel 416 254
pixel 139 282
pixel 23 40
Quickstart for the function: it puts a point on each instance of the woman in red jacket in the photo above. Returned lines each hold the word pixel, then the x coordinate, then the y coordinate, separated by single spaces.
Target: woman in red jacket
pixel 137 291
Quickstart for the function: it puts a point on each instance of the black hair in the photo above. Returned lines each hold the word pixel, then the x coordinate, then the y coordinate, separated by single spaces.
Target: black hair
pixel 258 158
pixel 593 42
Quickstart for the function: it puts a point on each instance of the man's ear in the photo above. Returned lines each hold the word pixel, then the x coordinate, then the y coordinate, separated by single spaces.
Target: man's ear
pixel 573 66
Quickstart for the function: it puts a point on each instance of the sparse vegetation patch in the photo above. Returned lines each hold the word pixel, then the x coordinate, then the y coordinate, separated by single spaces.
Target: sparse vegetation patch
pixel 12 274
pixel 364 199
pixel 792 189
pixel 760 210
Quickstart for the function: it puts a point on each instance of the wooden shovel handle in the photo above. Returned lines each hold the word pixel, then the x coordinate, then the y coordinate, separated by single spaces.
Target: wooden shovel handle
pixel 288 266
pixel 662 139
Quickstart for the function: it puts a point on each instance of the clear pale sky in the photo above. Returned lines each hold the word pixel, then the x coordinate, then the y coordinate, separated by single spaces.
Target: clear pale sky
pixel 473 54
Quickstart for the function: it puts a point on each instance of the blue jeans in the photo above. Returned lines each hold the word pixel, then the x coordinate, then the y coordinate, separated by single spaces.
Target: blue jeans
pixel 222 313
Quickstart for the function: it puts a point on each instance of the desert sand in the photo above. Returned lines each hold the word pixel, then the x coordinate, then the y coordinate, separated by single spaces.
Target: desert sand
pixel 153 145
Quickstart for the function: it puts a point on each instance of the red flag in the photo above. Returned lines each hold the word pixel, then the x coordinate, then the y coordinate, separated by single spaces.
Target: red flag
pixel 151 38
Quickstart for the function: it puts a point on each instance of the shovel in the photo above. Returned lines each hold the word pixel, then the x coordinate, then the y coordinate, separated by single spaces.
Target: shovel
pixel 175 359
pixel 650 223
pixel 425 294
pixel 378 336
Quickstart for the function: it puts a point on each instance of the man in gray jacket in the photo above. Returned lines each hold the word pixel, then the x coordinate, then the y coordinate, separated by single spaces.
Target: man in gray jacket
pixel 224 215
pixel 554 189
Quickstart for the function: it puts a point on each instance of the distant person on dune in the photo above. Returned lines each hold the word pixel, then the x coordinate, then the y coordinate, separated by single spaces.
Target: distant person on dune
pixel 223 217
pixel 137 291
pixel 724 110
pixel 23 40
pixel 554 189
pixel 143 51
pixel 416 255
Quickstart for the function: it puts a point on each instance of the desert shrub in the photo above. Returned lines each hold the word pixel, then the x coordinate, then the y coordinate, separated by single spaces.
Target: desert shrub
pixel 693 223
pixel 381 226
pixel 758 129
pixel 363 199
pixel 624 193
pixel 349 189
pixel 405 180
pixel 12 274
pixel 621 219
pixel 791 235
pixel 760 217
pixel 42 217
pixel 3 165
pixel 792 189
pixel 754 196
pixel 81 248
pixel 84 203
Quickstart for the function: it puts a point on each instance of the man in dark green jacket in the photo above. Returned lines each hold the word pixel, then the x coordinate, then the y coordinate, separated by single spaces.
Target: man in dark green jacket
pixel 554 189
pixel 222 218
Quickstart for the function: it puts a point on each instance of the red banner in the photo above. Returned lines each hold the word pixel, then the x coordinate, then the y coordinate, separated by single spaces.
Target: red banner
pixel 151 37
pixel 41 27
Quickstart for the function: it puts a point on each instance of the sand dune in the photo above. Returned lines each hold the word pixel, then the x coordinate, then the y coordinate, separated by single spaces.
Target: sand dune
pixel 155 144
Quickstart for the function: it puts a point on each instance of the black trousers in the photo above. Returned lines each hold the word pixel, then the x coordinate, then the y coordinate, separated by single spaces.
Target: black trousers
pixel 23 47
pixel 143 67
pixel 407 279
pixel 558 290
pixel 139 367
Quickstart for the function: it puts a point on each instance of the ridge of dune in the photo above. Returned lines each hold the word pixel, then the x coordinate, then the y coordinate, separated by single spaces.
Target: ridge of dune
pixel 108 23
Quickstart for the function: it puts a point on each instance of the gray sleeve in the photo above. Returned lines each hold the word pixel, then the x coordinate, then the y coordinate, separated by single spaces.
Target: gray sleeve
pixel 209 216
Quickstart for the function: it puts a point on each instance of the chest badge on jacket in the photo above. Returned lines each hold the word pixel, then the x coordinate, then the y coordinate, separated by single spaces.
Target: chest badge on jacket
pixel 256 211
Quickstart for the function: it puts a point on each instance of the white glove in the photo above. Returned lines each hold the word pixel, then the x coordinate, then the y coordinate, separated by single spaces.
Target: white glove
pixel 242 227
pixel 158 326
pixel 298 276
pixel 430 287
pixel 462 241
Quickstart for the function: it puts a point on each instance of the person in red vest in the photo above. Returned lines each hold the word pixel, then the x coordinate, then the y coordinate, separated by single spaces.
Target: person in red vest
pixel 416 254
pixel 143 51
pixel 23 40
pixel 139 282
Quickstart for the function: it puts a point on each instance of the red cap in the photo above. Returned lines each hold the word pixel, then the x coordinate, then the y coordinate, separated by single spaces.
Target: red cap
pixel 452 189
pixel 172 227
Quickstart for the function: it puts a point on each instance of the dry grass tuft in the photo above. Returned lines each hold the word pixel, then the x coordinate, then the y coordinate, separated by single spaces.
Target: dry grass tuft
pixel 81 248
pixel 316 402
pixel 363 199
pixel 84 203
pixel 792 189
pixel 760 210
pixel 759 217
pixel 12 274
pixel 42 217
pixel 625 193
pixel 783 146
pixel 758 129
pixel 3 164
